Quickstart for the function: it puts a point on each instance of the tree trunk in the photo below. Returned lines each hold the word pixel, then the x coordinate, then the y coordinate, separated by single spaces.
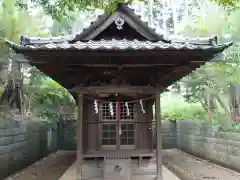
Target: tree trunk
pixel 204 104
pixel 209 109
pixel 235 101
pixel 12 94
pixel 225 108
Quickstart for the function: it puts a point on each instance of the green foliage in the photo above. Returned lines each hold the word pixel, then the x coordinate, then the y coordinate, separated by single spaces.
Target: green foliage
pixel 184 111
pixel 11 25
pixel 193 111
pixel 214 79
pixel 15 22
pixel 63 8
pixel 42 96
pixel 49 98
pixel 236 127
pixel 220 120
pixel 227 3
pixel 210 83
pixel 173 107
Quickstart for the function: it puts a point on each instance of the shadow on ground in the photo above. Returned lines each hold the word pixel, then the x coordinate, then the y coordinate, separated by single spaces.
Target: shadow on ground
pixel 50 168
pixel 188 167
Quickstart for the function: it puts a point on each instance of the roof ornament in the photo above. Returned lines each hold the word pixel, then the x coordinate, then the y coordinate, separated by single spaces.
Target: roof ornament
pixel 119 22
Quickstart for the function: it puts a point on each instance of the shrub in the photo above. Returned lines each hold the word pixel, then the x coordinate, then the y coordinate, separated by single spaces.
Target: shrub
pixel 183 111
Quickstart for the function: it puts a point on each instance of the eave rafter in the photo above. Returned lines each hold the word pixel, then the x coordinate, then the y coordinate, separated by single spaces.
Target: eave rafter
pixel 177 73
pixel 93 76
pixel 111 89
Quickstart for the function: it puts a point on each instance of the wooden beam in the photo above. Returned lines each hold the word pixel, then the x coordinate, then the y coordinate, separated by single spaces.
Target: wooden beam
pixel 83 57
pixel 126 65
pixel 115 89
pixel 79 137
pixel 176 72
pixel 159 141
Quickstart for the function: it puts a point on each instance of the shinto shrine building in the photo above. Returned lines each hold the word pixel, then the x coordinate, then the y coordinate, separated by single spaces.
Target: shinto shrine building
pixel 116 69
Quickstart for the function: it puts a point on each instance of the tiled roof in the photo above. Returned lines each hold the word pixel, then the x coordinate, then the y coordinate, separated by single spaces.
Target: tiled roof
pixel 118 45
pixel 77 42
pixel 25 40
pixel 32 40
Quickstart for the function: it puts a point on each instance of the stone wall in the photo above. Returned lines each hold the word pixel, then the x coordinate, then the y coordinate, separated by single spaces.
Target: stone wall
pixel 22 143
pixel 67 135
pixel 169 134
pixel 222 148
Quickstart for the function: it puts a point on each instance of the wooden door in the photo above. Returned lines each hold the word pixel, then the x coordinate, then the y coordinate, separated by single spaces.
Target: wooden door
pixel 127 132
pixel 109 136
pixel 127 126
pixel 117 134
pixel 108 127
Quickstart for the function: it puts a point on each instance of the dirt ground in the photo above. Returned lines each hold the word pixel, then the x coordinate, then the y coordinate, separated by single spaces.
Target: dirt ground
pixel 49 168
pixel 185 166
pixel 188 167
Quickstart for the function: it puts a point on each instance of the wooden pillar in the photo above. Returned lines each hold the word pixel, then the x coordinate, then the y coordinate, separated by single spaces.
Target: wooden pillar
pixel 159 158
pixel 79 136
pixel 150 119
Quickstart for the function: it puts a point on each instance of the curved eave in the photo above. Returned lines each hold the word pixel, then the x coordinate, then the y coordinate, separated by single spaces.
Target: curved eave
pixel 73 75
pixel 28 40
pixel 221 48
pixel 100 46
pixel 34 40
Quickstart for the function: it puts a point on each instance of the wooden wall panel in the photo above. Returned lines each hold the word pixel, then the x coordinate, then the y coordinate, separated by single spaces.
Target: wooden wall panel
pixel 92 128
pixel 142 128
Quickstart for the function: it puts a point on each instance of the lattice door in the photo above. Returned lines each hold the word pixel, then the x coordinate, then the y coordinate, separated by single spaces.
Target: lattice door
pixel 109 129
pixel 127 126
pixel 114 131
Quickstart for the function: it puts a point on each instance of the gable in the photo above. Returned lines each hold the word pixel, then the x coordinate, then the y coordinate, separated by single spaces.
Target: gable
pixel 119 26
pixel 123 24
pixel 118 32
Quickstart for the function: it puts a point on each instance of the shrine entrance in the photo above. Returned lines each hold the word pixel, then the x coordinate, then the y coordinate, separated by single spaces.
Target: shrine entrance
pixel 118 54
pixel 117 130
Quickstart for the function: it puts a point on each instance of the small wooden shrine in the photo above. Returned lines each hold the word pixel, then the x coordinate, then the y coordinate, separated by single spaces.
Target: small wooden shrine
pixel 116 69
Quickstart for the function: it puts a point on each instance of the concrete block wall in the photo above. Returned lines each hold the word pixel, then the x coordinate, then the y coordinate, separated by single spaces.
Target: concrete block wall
pixel 67 135
pixel 222 148
pixel 22 143
pixel 169 134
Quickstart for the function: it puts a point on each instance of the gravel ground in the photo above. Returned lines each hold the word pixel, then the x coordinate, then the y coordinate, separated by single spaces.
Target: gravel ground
pixel 188 167
pixel 51 167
